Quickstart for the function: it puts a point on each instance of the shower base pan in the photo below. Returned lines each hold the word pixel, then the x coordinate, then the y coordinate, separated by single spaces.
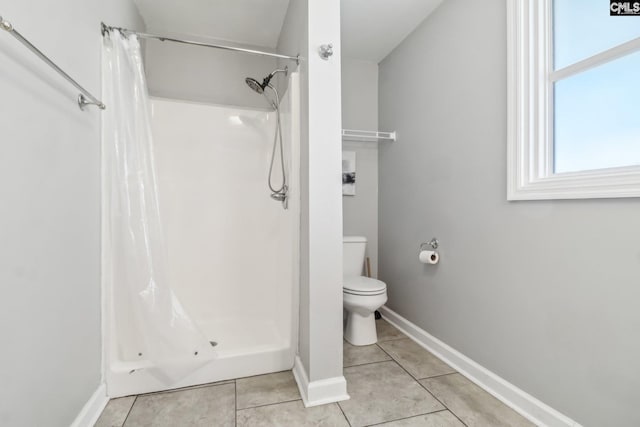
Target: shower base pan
pixel 240 353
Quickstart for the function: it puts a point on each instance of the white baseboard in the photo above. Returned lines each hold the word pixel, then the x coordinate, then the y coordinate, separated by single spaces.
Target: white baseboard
pixel 526 405
pixel 320 392
pixel 92 409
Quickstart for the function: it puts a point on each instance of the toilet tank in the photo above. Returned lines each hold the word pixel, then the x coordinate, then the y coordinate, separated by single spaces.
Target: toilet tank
pixel 353 248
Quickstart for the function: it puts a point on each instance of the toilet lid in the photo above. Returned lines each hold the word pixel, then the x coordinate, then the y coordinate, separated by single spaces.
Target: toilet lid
pixel 363 286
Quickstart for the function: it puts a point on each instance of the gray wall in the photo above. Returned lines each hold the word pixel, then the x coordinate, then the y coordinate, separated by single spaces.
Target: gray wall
pixel 193 73
pixel 360 111
pixel 543 293
pixel 308 25
pixel 50 211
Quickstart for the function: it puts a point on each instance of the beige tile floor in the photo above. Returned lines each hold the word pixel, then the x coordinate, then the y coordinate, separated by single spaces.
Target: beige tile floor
pixel 394 383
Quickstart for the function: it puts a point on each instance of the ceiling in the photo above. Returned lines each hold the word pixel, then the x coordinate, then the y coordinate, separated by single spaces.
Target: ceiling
pixel 249 22
pixel 371 29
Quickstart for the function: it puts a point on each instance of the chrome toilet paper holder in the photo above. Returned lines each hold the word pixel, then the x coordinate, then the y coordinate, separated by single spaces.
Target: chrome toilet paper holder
pixel 433 244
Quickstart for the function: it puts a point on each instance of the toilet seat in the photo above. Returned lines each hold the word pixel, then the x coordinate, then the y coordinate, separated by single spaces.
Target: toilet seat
pixel 362 285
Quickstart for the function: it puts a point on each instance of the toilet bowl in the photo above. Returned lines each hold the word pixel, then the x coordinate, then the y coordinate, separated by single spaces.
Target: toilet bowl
pixel 362 296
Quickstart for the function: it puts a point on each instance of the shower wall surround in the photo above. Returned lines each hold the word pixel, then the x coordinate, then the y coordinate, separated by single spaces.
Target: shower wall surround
pixel 50 216
pixel 231 248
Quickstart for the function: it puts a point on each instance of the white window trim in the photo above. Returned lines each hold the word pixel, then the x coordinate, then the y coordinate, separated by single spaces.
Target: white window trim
pixel 530 111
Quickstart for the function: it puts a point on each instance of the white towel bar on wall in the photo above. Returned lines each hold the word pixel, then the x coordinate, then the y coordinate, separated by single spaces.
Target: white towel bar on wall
pixel 367 135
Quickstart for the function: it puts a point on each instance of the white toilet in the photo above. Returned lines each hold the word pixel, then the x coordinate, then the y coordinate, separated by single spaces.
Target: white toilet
pixel 362 295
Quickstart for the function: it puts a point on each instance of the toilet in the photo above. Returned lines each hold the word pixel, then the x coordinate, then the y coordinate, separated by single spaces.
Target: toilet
pixel 362 295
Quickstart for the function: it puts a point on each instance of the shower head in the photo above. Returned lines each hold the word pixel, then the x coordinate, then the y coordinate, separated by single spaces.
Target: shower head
pixel 259 87
pixel 253 84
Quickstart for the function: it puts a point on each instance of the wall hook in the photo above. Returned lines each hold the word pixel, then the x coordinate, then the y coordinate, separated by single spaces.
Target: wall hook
pixel 325 51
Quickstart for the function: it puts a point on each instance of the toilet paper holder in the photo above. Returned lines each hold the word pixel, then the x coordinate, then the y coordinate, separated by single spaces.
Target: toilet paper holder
pixel 433 244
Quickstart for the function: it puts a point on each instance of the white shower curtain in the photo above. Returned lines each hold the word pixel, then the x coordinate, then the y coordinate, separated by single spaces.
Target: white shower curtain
pixel 150 323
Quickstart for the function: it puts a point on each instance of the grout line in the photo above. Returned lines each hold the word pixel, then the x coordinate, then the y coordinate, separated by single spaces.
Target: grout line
pixel 434 396
pixel 428 391
pixel 262 375
pixel 407 418
pixel 397 360
pixel 268 404
pixel 393 339
pixel 374 363
pixel 130 409
pixel 190 387
pixel 343 414
pixel 438 376
pixel 403 335
pixel 235 402
pixel 369 363
pixel 424 387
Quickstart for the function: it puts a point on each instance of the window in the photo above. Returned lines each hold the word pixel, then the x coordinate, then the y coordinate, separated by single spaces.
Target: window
pixel 574 100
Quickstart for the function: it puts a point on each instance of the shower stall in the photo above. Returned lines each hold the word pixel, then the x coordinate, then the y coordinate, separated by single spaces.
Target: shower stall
pixel 209 207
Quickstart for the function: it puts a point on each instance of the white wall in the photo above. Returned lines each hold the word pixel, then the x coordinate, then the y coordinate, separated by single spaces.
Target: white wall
pixel 543 293
pixel 306 27
pixel 195 73
pixel 360 111
pixel 50 214
pixel 325 192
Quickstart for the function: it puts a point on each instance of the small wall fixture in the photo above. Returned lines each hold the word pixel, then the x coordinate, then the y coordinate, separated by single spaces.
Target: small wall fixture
pixel 433 244
pixel 367 135
pixel 325 51
pixel 428 253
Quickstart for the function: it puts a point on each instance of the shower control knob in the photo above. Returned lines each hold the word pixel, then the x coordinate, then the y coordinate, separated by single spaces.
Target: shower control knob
pixel 325 51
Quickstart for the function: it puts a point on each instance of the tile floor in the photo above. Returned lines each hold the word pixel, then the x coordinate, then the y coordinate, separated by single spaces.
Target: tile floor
pixel 394 383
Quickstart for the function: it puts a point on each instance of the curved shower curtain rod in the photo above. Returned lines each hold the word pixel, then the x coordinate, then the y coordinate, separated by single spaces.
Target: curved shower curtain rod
pixel 105 28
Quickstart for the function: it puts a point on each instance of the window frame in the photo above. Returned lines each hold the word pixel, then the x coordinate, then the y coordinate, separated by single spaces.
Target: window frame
pixel 530 78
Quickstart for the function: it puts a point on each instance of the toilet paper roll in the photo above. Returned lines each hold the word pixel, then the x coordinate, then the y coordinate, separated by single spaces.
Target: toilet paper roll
pixel 429 257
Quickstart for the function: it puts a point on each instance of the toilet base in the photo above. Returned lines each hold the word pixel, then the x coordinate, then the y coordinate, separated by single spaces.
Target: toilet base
pixel 361 330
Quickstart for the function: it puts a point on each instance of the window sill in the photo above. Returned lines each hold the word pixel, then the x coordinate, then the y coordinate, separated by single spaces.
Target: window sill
pixel 597 184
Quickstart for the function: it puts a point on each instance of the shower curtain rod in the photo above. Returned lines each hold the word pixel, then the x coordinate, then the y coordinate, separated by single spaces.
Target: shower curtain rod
pixel 105 28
